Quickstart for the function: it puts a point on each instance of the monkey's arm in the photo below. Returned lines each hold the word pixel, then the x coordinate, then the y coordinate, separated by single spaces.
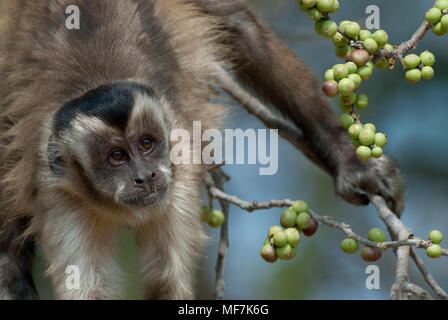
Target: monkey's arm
pixel 276 73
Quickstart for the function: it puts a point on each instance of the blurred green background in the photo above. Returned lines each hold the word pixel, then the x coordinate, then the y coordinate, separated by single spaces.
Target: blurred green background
pixel 415 117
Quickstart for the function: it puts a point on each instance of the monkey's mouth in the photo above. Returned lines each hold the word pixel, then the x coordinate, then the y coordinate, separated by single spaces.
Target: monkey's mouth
pixel 144 198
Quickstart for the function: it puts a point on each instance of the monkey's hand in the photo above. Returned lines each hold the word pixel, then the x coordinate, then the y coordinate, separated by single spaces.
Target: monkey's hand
pixel 353 179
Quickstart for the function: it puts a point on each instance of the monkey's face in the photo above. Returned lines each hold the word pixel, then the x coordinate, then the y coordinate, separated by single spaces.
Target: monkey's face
pixel 118 137
pixel 132 169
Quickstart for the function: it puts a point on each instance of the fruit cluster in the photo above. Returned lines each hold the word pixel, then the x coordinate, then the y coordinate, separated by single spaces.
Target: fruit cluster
pixel 369 254
pixel 435 250
pixel 419 66
pixel 214 218
pixel 361 50
pixel 281 243
pixel 368 142
pixel 438 17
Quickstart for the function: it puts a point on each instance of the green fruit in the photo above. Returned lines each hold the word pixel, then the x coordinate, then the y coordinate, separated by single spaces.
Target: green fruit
pixel 300 206
pixel 303 220
pixel 329 75
pixel 356 143
pixel 345 108
pixel 356 79
pixel 388 46
pixel 342 25
pixel 349 245
pixel 352 30
pixel 427 73
pixel 433 15
pixel 380 140
pixel 348 100
pixel 309 3
pixel 273 230
pixel 362 101
pixel 216 219
pixel 352 67
pixel 364 35
pixel 365 72
pixel 377 235
pixel 293 252
pixel 341 52
pixel 370 254
pixel 346 120
pixel 442 4
pixel 435 236
pixel 266 241
pixel 346 86
pixel 366 137
pixel 381 38
pixel 439 29
pixel 363 153
pixel 370 126
pixel 359 56
pixel 382 63
pixel 444 22
pixel 279 239
pixel 370 65
pixel 335 7
pixel 325 5
pixel 330 88
pixel 206 214
pixel 339 40
pixel 434 251
pixel 314 14
pixel 411 61
pixel 329 28
pixel 288 218
pixel 354 130
pixel 318 26
pixel 340 71
pixel 370 45
pixel 292 236
pixel 428 58
pixel 284 253
pixel 268 253
pixel 413 75
pixel 377 152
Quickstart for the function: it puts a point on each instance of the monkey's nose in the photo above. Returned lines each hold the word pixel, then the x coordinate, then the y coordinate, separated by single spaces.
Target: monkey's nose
pixel 141 179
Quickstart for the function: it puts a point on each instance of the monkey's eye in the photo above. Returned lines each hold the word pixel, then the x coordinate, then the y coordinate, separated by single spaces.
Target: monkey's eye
pixel 117 157
pixel 146 144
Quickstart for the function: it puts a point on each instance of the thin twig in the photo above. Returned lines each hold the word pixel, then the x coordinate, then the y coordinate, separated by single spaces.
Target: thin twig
pixel 428 277
pixel 218 177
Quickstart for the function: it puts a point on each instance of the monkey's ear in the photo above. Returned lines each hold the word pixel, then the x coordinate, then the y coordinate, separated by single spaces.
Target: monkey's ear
pixel 54 157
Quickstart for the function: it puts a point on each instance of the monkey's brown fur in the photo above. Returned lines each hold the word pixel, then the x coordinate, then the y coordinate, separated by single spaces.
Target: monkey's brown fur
pixel 175 47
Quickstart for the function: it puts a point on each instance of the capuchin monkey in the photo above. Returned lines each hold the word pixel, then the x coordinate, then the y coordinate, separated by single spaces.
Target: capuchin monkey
pixel 85 122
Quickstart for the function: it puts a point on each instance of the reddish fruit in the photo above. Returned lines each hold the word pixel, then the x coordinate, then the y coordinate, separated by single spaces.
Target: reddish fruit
pixel 311 230
pixel 359 56
pixel 370 254
pixel 330 88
